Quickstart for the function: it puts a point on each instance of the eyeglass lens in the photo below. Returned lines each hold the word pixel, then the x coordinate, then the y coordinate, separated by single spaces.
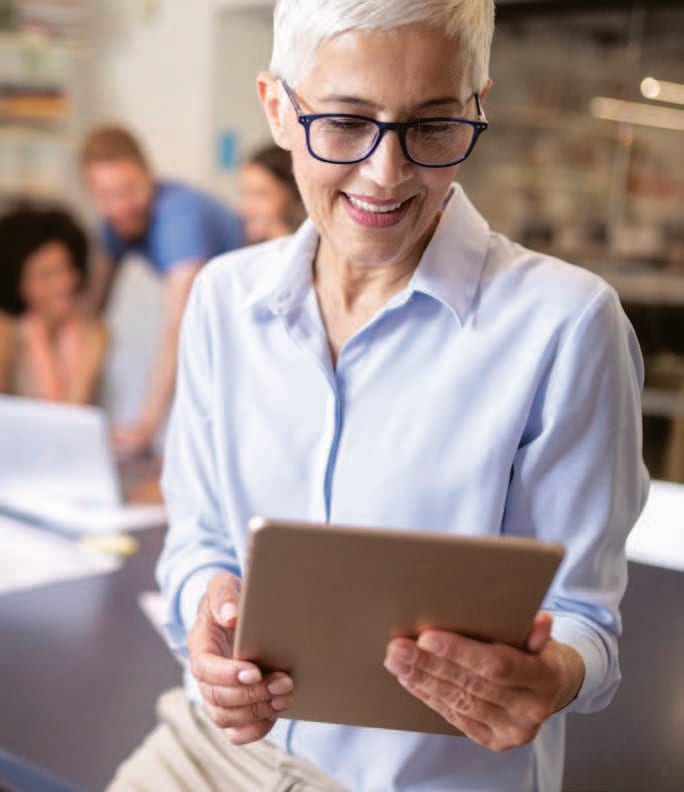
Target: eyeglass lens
pixel 431 143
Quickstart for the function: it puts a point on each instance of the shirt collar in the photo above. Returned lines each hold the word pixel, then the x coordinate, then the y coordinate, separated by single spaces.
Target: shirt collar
pixel 451 266
pixel 286 282
pixel 449 270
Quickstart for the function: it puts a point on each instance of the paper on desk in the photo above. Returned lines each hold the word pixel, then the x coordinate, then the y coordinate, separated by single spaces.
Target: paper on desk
pixel 658 536
pixel 152 605
pixel 86 519
pixel 31 557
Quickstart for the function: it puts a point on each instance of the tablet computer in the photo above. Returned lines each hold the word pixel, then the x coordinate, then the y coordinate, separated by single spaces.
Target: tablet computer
pixel 322 601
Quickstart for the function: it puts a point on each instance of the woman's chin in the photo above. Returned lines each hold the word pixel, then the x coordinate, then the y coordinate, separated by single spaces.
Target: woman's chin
pixel 59 313
pixel 370 247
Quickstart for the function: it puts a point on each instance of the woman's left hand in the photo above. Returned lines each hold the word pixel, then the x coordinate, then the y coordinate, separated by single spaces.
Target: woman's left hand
pixel 495 694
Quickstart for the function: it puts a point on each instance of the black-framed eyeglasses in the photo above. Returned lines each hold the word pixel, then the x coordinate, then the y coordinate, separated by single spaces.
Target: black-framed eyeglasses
pixel 345 138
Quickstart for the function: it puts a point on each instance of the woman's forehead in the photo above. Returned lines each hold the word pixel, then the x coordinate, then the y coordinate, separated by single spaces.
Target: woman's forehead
pixel 387 68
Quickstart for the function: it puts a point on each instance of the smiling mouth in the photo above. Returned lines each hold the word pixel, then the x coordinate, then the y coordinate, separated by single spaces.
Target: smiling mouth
pixel 375 208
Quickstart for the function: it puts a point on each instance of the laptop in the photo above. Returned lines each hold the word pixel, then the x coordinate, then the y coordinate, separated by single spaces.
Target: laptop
pixel 56 462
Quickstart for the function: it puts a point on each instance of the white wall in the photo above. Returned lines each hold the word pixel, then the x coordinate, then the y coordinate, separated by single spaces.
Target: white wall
pixel 243 49
pixel 152 69
pixel 178 72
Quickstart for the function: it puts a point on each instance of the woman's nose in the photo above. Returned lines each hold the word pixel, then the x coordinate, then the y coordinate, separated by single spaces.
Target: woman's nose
pixel 387 166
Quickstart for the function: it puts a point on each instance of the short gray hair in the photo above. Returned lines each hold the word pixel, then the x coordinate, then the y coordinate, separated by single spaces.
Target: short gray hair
pixel 300 26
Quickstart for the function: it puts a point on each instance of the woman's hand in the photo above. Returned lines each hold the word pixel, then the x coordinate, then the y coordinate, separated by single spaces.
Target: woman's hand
pixel 495 694
pixel 235 695
pixel 131 440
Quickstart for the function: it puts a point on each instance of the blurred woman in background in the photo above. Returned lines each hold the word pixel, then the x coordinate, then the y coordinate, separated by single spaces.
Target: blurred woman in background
pixel 271 205
pixel 48 348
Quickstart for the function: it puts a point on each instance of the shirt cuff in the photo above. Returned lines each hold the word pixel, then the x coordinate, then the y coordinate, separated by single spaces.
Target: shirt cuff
pixel 588 644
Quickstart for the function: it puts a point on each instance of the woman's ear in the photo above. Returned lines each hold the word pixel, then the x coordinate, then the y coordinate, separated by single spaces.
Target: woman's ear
pixel 272 98
pixel 487 88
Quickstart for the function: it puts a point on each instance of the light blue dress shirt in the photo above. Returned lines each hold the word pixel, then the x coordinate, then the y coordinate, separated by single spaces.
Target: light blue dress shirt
pixel 498 393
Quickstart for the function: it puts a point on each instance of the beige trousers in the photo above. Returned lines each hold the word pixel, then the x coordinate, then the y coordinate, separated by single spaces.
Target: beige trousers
pixel 187 753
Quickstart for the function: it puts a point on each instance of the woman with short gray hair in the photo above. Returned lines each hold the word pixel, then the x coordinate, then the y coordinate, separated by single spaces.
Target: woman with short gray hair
pixel 394 363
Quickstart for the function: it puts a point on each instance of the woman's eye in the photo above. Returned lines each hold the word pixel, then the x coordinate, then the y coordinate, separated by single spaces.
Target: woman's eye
pixel 433 128
pixel 347 124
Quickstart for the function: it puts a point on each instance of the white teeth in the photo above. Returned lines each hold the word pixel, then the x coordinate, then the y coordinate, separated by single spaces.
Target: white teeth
pixel 375 208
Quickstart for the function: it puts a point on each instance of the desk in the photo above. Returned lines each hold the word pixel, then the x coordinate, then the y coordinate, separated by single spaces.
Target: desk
pixel 80 669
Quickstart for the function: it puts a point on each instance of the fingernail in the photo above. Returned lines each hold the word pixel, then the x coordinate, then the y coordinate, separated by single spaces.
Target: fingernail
pixel 281 686
pixel 402 654
pixel 228 611
pixel 281 703
pixel 395 667
pixel 431 643
pixel 249 676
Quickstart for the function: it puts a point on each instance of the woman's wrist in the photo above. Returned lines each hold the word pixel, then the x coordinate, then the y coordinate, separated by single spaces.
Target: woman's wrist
pixel 571 669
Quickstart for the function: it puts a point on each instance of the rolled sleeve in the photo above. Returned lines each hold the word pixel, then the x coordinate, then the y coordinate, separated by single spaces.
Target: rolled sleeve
pixel 599 652
pixel 198 542
pixel 579 479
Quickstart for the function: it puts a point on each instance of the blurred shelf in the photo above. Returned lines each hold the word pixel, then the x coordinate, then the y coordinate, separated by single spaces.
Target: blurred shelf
pixel 44 43
pixel 53 18
pixel 555 178
pixel 662 403
pixel 645 287
pixel 570 122
pixel 39 79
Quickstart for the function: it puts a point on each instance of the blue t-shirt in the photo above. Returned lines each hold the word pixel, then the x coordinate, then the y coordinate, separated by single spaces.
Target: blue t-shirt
pixel 186 225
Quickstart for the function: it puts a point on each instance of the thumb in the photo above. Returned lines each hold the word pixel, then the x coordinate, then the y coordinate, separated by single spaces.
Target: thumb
pixel 540 632
pixel 223 595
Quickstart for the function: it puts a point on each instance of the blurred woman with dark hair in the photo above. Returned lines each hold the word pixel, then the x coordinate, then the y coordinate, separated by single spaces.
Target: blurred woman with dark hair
pixel 48 348
pixel 271 205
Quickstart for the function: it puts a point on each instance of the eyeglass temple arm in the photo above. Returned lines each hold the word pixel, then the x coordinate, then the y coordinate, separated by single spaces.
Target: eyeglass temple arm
pixel 480 112
pixel 292 97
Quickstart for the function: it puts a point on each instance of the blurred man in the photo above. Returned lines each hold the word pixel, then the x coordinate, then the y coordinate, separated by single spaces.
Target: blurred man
pixel 176 228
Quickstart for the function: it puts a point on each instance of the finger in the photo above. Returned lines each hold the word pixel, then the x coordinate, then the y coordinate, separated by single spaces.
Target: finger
pixel 206 637
pixel 276 685
pixel 476 731
pixel 517 701
pixel 213 669
pixel 495 739
pixel 540 632
pixel 223 596
pixel 446 671
pixel 247 734
pixel 457 700
pixel 496 662
pixel 238 717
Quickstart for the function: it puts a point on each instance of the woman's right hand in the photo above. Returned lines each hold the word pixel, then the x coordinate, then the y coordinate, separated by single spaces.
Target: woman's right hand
pixel 236 696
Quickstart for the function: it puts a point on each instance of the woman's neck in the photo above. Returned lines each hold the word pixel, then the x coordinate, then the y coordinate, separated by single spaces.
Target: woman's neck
pixel 355 288
pixel 349 295
pixel 352 286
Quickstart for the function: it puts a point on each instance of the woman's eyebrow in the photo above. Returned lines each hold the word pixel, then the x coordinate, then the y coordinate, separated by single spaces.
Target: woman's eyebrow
pixel 371 105
pixel 442 100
